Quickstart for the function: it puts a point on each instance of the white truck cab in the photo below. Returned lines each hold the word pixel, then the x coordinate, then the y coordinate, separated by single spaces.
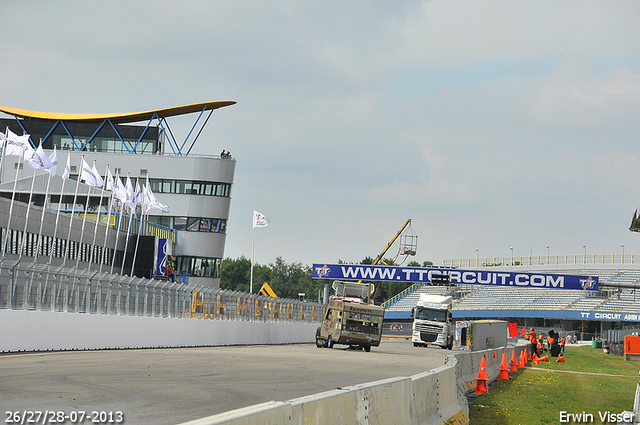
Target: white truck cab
pixel 433 322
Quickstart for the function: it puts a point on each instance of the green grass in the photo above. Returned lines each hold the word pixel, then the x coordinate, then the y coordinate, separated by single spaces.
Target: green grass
pixel 538 396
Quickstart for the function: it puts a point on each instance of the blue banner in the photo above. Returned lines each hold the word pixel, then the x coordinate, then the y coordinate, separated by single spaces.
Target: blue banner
pixel 161 256
pixel 470 277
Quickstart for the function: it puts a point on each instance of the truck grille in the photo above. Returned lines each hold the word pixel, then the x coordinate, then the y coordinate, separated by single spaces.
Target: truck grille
pixel 428 333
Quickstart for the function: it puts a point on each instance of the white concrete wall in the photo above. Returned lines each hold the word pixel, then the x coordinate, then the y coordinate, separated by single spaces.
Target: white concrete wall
pixel 22 330
pixel 429 398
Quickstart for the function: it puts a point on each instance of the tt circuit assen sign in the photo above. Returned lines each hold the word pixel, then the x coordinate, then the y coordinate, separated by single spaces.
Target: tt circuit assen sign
pixel 472 277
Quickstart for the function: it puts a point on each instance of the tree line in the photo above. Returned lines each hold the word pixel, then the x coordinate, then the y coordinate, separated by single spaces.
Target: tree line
pixel 290 279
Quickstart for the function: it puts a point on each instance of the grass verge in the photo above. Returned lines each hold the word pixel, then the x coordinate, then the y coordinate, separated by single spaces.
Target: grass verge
pixel 533 396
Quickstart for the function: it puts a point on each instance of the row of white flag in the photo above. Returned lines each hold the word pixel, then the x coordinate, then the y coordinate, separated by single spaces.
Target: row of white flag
pixel 38 160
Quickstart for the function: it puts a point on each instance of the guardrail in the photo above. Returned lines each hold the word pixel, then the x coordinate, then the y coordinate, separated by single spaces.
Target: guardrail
pixel 543 260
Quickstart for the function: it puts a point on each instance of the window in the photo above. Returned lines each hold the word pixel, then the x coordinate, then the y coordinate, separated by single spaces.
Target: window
pixel 205 225
pixel 199 266
pixel 168 186
pixel 180 223
pixel 193 224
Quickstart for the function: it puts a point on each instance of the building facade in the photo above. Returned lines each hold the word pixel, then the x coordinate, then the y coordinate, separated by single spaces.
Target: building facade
pixel 197 188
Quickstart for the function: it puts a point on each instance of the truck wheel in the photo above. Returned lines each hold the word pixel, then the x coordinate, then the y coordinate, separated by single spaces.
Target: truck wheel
pixel 319 343
pixel 415 344
pixel 367 348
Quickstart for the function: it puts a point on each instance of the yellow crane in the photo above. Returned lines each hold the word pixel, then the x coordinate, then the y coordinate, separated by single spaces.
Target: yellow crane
pixel 408 247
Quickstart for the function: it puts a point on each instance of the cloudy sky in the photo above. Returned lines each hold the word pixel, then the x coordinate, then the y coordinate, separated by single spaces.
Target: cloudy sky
pixel 491 124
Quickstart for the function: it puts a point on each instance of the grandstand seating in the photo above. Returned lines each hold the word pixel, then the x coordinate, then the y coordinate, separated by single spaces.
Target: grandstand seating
pixel 484 297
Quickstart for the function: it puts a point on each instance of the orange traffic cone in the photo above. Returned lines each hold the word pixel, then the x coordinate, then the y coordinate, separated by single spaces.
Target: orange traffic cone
pixel 522 360
pixel 535 358
pixel 560 359
pixel 530 356
pixel 514 364
pixel 504 370
pixel 482 381
pixel 544 359
pixel 494 354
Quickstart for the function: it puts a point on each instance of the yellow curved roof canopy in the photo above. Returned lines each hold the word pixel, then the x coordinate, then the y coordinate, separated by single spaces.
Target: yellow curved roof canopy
pixel 117 118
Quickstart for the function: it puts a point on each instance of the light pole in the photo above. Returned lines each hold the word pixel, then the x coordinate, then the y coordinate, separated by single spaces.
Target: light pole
pixel 585 254
pixel 622 246
pixel 547 254
pixel 511 248
pixel 477 256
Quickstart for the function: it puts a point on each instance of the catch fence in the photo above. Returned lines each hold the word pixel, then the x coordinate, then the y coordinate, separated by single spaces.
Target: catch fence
pixel 33 286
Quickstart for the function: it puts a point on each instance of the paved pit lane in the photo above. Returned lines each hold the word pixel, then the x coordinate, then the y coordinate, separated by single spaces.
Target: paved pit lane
pixel 170 386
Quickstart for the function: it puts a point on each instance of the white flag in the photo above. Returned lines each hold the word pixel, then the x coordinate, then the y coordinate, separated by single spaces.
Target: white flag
pixel 16 144
pixel 259 220
pixel 151 201
pixel 67 168
pixel 96 174
pixel 130 199
pixel 137 196
pixel 53 159
pixel 29 152
pixel 39 160
pixel 87 175
pixel 110 185
pixel 120 191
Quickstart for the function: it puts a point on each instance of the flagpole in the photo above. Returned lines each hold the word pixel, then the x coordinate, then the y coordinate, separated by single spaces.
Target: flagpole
pixel 13 194
pixel 106 230
pixel 118 229
pixel 140 226
pixel 35 157
pixel 253 236
pixel 26 219
pixel 44 206
pixel 84 217
pixel 73 209
pixel 95 228
pixel 126 243
pixel 67 170
pixel 4 148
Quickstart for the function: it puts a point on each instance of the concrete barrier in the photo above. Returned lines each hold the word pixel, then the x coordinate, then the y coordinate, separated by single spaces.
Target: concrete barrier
pixel 24 330
pixel 434 397
pixel 269 413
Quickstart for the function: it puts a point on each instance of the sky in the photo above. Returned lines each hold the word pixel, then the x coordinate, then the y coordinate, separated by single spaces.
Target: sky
pixel 497 127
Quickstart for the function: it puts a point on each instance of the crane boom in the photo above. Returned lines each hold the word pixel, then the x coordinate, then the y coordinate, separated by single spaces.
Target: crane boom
pixel 379 257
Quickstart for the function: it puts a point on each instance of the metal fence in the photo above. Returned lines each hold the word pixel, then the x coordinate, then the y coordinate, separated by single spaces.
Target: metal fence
pixel 542 260
pixel 32 286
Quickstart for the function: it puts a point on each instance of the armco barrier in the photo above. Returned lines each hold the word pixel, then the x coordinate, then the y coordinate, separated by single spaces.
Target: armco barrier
pixel 429 398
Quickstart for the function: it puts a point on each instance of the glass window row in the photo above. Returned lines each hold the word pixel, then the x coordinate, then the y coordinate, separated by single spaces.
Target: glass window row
pixel 187 187
pixel 197 266
pixel 191 224
pixel 190 187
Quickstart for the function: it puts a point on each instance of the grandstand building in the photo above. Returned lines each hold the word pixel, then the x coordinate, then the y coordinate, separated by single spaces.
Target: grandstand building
pixel 616 303
pixel 197 189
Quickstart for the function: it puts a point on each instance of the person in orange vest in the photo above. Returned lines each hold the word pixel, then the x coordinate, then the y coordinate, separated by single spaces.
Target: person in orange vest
pixel 550 340
pixel 562 342
pixel 531 336
pixel 540 345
